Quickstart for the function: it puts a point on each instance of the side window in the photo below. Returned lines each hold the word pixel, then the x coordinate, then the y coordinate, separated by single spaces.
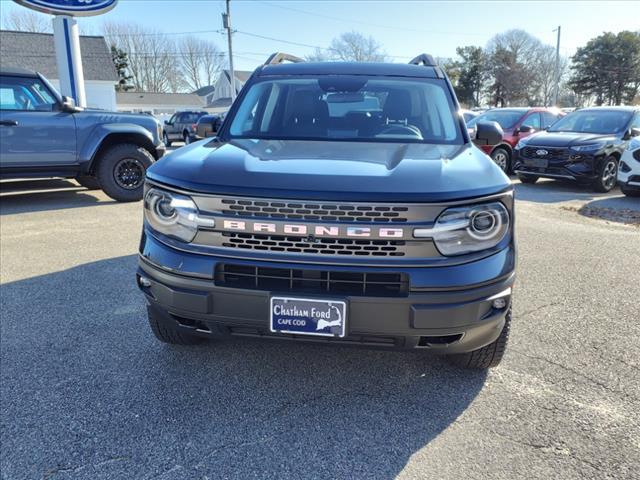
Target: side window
pixel 532 121
pixel 636 121
pixel 173 118
pixel 25 94
pixel 548 119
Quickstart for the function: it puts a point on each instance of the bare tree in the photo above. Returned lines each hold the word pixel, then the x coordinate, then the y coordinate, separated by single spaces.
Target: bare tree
pixel 153 57
pixel 201 61
pixel 24 20
pixel 355 47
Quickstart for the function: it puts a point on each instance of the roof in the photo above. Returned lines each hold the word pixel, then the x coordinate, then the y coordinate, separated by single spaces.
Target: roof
pixel 350 68
pixel 619 108
pixel 206 90
pixel 23 72
pixel 35 51
pixel 242 75
pixel 162 99
pixel 220 102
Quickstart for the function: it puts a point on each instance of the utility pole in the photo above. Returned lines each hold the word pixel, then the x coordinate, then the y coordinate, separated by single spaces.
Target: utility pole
pixel 557 87
pixel 226 23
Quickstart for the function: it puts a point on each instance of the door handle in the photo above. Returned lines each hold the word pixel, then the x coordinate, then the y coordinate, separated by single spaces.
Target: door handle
pixel 8 123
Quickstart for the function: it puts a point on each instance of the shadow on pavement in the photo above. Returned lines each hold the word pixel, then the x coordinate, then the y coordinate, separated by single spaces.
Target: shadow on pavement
pixel 619 209
pixel 87 392
pixel 44 195
pixel 555 191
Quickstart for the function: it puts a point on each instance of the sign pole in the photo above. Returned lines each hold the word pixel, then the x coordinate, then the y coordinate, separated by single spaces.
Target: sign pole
pixel 68 58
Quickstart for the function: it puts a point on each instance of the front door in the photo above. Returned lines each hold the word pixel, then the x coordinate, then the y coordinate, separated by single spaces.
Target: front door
pixel 33 130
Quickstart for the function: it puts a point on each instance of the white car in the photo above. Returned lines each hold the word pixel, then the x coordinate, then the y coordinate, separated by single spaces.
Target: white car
pixel 629 171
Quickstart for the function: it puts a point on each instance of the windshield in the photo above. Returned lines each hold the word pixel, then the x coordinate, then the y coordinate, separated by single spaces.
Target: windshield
pixel 351 108
pixel 505 118
pixel 593 121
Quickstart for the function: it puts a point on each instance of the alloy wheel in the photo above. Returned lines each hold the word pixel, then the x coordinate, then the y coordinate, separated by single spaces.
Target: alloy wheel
pixel 129 173
pixel 609 174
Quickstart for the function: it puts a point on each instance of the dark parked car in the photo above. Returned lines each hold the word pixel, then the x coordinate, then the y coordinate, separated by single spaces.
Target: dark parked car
pixel 585 146
pixel 208 126
pixel 342 202
pixel 43 134
pixel 181 127
pixel 517 123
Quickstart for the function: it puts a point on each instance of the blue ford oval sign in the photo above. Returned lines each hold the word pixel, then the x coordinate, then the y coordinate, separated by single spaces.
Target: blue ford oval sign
pixel 75 8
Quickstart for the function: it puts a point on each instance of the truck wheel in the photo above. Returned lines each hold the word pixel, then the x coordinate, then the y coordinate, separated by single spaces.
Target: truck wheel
pixel 488 356
pixel 167 331
pixel 165 139
pixel 121 171
pixel 502 158
pixel 607 176
pixel 528 178
pixel 88 182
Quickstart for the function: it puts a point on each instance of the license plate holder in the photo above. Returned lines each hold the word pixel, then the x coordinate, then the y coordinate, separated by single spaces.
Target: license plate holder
pixel 536 162
pixel 308 316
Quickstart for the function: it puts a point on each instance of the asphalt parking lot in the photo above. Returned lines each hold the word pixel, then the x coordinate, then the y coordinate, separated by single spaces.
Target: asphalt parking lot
pixel 87 392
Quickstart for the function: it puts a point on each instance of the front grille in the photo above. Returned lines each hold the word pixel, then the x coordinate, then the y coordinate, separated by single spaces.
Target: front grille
pixel 319 246
pixel 558 154
pixel 311 281
pixel 328 212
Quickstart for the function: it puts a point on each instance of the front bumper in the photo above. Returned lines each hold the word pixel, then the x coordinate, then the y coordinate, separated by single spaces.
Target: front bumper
pixel 582 169
pixel 451 318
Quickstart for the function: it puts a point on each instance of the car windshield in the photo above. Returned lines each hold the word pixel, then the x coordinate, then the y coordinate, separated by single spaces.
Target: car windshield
pixel 593 121
pixel 506 118
pixel 349 108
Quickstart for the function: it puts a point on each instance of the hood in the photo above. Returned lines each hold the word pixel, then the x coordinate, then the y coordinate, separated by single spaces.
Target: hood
pixel 330 170
pixel 566 139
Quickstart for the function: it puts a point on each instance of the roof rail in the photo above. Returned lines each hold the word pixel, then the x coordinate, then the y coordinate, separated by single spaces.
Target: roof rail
pixel 424 59
pixel 280 57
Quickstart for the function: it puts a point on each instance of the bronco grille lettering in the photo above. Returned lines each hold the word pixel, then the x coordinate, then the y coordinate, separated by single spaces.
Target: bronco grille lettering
pixel 326 231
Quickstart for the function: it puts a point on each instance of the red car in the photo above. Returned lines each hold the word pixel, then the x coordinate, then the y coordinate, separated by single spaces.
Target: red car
pixel 517 123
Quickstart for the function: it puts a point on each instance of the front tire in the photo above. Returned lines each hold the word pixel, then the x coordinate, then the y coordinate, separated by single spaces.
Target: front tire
pixel 165 139
pixel 607 176
pixel 488 356
pixel 502 158
pixel 528 178
pixel 167 330
pixel 121 171
pixel 88 182
pixel 187 138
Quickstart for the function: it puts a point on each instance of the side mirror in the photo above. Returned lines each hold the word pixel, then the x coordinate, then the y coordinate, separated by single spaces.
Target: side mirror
pixel 634 132
pixel 525 129
pixel 488 133
pixel 69 105
pixel 166 122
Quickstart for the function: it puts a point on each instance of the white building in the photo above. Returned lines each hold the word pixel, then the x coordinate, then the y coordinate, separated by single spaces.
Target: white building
pixel 35 51
pixel 160 105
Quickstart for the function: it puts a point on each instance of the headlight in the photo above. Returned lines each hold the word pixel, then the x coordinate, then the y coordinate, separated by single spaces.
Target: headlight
pixel 588 148
pixel 468 229
pixel 173 214
pixel 521 144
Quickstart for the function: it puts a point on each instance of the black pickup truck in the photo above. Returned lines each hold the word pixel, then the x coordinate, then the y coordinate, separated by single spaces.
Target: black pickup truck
pixel 341 203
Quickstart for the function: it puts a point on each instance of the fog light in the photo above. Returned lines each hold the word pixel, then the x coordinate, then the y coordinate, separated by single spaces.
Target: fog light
pixel 146 283
pixel 499 303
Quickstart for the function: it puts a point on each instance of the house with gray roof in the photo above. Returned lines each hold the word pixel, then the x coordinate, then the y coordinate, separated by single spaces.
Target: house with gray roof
pixel 35 51
pixel 221 99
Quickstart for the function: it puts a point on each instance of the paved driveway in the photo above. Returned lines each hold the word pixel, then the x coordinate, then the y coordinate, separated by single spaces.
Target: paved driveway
pixel 86 391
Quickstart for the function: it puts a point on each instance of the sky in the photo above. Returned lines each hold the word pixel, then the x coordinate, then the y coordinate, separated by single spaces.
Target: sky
pixel 404 28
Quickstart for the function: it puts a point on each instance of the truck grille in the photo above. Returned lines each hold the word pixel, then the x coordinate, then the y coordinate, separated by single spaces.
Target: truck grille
pixel 311 281
pixel 322 246
pixel 553 153
pixel 328 212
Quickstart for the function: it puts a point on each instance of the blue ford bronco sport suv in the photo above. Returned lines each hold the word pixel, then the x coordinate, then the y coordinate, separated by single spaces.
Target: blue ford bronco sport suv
pixel 340 203
pixel 43 134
